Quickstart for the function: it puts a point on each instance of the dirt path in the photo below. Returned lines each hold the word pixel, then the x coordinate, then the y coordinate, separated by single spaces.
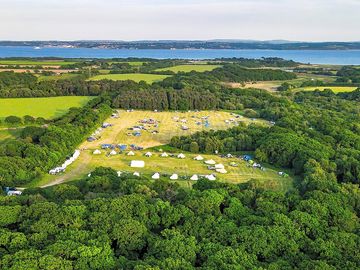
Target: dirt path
pixel 81 168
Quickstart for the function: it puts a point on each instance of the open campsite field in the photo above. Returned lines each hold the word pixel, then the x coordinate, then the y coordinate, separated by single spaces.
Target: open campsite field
pixel 335 89
pixel 35 63
pixel 40 107
pixel 169 125
pixel 136 77
pixel 189 68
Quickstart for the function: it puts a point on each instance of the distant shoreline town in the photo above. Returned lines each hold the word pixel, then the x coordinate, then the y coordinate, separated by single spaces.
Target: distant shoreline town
pixel 189 44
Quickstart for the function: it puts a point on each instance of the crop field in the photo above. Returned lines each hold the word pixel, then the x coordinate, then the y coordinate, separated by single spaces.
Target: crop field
pixel 134 64
pixel 168 126
pixel 48 108
pixel 63 76
pixel 35 63
pixel 136 77
pixel 189 68
pixel 335 89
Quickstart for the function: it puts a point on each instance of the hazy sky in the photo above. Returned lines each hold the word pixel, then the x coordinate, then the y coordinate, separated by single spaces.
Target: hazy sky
pixel 308 20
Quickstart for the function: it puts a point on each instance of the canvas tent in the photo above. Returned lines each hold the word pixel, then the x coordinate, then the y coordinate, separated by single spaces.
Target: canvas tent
pixel 97 152
pixel 222 171
pixel 210 177
pixel 194 177
pixel 137 164
pixel 164 154
pixel 113 153
pixel 131 153
pixel 148 154
pixel 174 177
pixel 136 174
pixel 219 166
pixel 156 176
pixel 210 162
pixel 199 158
pixel 182 156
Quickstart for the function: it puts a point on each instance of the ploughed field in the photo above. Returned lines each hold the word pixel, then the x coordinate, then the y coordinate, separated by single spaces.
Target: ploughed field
pixel 47 108
pixel 136 77
pixel 169 124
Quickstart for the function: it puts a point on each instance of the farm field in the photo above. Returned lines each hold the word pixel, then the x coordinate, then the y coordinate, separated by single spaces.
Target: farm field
pixel 36 63
pixel 189 68
pixel 136 77
pixel 63 76
pixel 48 108
pixel 335 89
pixel 168 127
pixel 135 64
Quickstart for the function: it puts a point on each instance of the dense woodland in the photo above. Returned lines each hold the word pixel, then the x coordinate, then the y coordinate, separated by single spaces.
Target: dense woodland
pixel 110 222
pixel 107 222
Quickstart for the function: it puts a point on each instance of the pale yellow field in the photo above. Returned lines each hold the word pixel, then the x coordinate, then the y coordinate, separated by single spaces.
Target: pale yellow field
pixel 168 127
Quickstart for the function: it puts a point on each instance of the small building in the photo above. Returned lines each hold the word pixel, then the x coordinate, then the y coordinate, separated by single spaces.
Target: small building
pixel 174 177
pixel 156 176
pixel 137 164
pixel 119 173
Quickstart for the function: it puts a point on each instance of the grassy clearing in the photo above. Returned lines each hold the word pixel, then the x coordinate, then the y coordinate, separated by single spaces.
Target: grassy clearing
pixel 189 68
pixel 35 63
pixel 40 107
pixel 168 127
pixel 136 77
pixel 335 89
pixel 64 76
pixel 9 133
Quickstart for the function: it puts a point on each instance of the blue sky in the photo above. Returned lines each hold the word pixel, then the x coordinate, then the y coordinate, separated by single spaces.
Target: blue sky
pixel 316 20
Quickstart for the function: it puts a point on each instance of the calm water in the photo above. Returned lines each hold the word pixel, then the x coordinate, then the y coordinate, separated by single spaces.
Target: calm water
pixel 307 56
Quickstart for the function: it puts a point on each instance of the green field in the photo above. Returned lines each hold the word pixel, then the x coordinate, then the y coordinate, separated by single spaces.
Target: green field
pixel 136 77
pixel 189 68
pixel 335 89
pixel 134 64
pixel 64 76
pixel 35 63
pixel 40 107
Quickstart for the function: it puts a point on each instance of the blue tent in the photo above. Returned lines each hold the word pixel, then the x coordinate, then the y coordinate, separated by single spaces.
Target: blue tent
pixel 247 157
pixel 122 147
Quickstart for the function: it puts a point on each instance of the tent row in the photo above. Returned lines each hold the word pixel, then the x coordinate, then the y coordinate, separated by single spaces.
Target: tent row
pixel 67 162
pixel 175 176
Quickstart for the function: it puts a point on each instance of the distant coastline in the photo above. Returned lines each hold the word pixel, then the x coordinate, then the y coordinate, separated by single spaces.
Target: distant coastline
pixel 190 45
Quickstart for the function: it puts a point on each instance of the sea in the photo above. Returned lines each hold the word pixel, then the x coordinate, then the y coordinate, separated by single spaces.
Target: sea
pixel 332 57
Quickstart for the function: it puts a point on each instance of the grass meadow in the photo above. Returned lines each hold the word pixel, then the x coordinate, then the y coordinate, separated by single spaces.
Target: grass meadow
pixel 136 77
pixel 47 108
pixel 189 68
